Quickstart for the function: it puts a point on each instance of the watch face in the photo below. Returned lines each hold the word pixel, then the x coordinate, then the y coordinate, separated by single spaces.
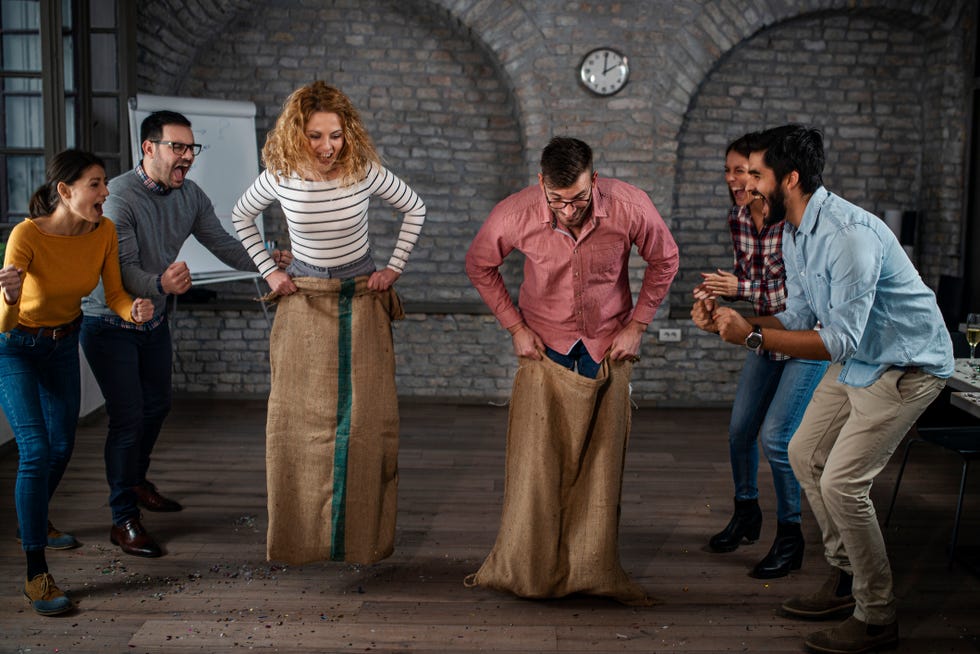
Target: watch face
pixel 604 71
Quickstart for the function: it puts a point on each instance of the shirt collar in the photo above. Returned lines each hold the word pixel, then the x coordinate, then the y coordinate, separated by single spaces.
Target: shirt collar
pixel 809 223
pixel 151 185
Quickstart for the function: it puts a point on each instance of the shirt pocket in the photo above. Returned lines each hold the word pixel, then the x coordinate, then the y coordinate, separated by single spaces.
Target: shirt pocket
pixel 605 258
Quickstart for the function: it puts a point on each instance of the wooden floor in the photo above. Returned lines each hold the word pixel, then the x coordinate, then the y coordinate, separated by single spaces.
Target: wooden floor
pixel 215 592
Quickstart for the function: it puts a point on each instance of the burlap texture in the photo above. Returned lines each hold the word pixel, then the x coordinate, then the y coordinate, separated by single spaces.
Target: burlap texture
pixel 333 383
pixel 566 446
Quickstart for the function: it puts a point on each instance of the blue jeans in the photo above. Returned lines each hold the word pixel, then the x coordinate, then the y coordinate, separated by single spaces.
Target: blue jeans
pixel 771 399
pixel 577 358
pixel 41 396
pixel 133 369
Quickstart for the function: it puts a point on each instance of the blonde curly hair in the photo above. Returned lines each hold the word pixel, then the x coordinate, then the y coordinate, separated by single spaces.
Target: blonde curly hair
pixel 287 150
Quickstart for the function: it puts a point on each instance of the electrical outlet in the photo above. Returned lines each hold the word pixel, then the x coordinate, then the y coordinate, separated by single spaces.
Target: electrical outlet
pixel 670 335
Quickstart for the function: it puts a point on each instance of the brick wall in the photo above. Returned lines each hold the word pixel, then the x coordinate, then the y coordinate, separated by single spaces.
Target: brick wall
pixel 461 96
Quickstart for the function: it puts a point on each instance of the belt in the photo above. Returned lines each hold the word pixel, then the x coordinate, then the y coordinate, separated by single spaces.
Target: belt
pixel 54 333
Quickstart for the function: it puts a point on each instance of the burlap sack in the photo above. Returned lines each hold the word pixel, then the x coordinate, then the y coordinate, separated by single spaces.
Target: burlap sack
pixel 332 427
pixel 566 444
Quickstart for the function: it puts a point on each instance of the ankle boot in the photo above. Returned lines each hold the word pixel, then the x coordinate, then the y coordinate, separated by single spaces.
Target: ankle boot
pixel 745 523
pixel 785 554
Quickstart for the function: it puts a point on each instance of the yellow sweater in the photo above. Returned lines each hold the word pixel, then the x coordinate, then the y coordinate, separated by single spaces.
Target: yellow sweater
pixel 59 271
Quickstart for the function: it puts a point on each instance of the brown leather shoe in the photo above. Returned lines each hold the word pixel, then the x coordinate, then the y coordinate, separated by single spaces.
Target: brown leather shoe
pixel 832 600
pixel 853 637
pixel 132 538
pixel 148 497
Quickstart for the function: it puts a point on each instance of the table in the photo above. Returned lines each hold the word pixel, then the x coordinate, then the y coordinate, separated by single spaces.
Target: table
pixel 968 401
pixel 964 377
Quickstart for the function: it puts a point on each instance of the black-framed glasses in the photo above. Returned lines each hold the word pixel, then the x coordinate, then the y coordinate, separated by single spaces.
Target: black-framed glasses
pixel 180 148
pixel 578 203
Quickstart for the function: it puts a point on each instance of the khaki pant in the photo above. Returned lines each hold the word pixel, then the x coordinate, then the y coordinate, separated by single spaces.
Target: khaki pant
pixel 846 438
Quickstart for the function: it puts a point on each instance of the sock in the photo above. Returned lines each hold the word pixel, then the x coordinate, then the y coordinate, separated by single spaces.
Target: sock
pixel 844 584
pixel 36 563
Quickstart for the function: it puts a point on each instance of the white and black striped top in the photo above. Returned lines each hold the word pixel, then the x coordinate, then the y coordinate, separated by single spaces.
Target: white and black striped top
pixel 327 222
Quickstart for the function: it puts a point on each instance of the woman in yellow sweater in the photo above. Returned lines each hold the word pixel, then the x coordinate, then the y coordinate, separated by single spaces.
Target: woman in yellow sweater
pixel 53 259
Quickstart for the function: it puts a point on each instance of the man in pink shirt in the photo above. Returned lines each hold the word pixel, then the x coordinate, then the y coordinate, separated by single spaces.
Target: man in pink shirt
pixel 576 231
pixel 576 334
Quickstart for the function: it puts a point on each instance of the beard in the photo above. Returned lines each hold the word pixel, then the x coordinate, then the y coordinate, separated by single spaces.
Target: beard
pixel 777 207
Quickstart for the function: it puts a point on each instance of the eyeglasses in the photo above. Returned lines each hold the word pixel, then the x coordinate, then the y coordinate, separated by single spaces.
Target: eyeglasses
pixel 181 148
pixel 578 204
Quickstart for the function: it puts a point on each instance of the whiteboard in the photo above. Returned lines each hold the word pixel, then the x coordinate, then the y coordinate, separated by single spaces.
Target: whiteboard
pixel 226 167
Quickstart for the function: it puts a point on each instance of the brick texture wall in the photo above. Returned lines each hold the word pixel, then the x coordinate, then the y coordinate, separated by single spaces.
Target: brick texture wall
pixel 460 96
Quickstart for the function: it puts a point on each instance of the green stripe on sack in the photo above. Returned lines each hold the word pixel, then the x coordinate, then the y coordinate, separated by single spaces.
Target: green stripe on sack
pixel 344 402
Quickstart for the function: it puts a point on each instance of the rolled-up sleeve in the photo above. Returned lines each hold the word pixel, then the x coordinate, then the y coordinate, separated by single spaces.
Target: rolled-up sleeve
pixel 854 273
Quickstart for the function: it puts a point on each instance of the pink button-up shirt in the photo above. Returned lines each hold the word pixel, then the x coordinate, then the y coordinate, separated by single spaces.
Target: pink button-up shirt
pixel 575 289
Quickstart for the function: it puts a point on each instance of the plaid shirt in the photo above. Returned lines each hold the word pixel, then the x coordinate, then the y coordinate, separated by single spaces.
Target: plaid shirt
pixel 149 182
pixel 759 265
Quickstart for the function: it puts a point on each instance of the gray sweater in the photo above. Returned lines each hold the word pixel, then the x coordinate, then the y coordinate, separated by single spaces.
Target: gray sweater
pixel 152 228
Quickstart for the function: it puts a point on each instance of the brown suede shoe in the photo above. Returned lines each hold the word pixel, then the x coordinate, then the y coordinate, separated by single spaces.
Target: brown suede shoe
pixel 853 637
pixel 833 600
pixel 45 597
pixel 132 538
pixel 57 540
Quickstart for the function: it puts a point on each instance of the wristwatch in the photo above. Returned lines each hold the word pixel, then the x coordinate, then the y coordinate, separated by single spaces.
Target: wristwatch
pixel 754 340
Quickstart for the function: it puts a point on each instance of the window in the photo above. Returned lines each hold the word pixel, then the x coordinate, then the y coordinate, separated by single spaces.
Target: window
pixel 64 80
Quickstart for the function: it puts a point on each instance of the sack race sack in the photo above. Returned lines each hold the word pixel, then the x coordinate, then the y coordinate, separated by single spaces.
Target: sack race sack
pixel 566 446
pixel 332 426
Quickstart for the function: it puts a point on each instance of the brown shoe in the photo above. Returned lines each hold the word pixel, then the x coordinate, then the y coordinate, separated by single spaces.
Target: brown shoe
pixel 57 540
pixel 45 597
pixel 853 637
pixel 148 497
pixel 833 600
pixel 132 538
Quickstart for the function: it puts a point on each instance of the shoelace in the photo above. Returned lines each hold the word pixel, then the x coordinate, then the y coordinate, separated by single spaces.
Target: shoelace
pixel 47 583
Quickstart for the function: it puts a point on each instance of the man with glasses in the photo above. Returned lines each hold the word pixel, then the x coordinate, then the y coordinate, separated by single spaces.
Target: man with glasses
pixel 155 208
pixel 576 231
pixel 577 334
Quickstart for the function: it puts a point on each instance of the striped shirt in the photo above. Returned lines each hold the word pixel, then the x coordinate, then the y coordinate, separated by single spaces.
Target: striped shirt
pixel 327 222
pixel 759 265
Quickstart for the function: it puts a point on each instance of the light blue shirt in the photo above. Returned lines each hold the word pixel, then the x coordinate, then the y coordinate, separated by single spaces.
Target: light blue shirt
pixel 846 269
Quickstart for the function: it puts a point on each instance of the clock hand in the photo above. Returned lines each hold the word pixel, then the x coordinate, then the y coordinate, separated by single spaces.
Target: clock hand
pixel 605 67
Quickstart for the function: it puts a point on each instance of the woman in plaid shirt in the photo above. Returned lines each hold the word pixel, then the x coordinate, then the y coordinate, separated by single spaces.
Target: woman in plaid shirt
pixel 773 390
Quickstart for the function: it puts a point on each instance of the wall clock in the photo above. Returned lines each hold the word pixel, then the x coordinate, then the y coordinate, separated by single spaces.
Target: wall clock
pixel 604 71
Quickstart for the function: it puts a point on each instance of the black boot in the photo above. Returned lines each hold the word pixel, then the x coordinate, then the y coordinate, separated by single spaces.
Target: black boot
pixel 785 554
pixel 745 523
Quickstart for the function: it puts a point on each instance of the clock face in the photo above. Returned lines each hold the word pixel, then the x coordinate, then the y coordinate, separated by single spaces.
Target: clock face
pixel 604 71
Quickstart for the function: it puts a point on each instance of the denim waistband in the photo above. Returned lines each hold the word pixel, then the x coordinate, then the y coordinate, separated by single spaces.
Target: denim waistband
pixel 362 266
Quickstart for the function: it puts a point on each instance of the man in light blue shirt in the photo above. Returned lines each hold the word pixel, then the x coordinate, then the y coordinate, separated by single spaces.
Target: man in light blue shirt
pixel 880 327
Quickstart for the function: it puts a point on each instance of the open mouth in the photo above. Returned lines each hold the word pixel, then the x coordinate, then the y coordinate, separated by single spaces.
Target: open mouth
pixel 180 173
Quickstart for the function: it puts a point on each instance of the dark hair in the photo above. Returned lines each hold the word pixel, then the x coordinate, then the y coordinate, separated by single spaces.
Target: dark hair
pixel 794 147
pixel 152 126
pixel 564 160
pixel 67 167
pixel 741 145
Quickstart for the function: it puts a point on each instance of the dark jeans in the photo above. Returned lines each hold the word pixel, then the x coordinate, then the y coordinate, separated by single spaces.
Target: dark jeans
pixel 578 358
pixel 40 393
pixel 770 401
pixel 133 369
